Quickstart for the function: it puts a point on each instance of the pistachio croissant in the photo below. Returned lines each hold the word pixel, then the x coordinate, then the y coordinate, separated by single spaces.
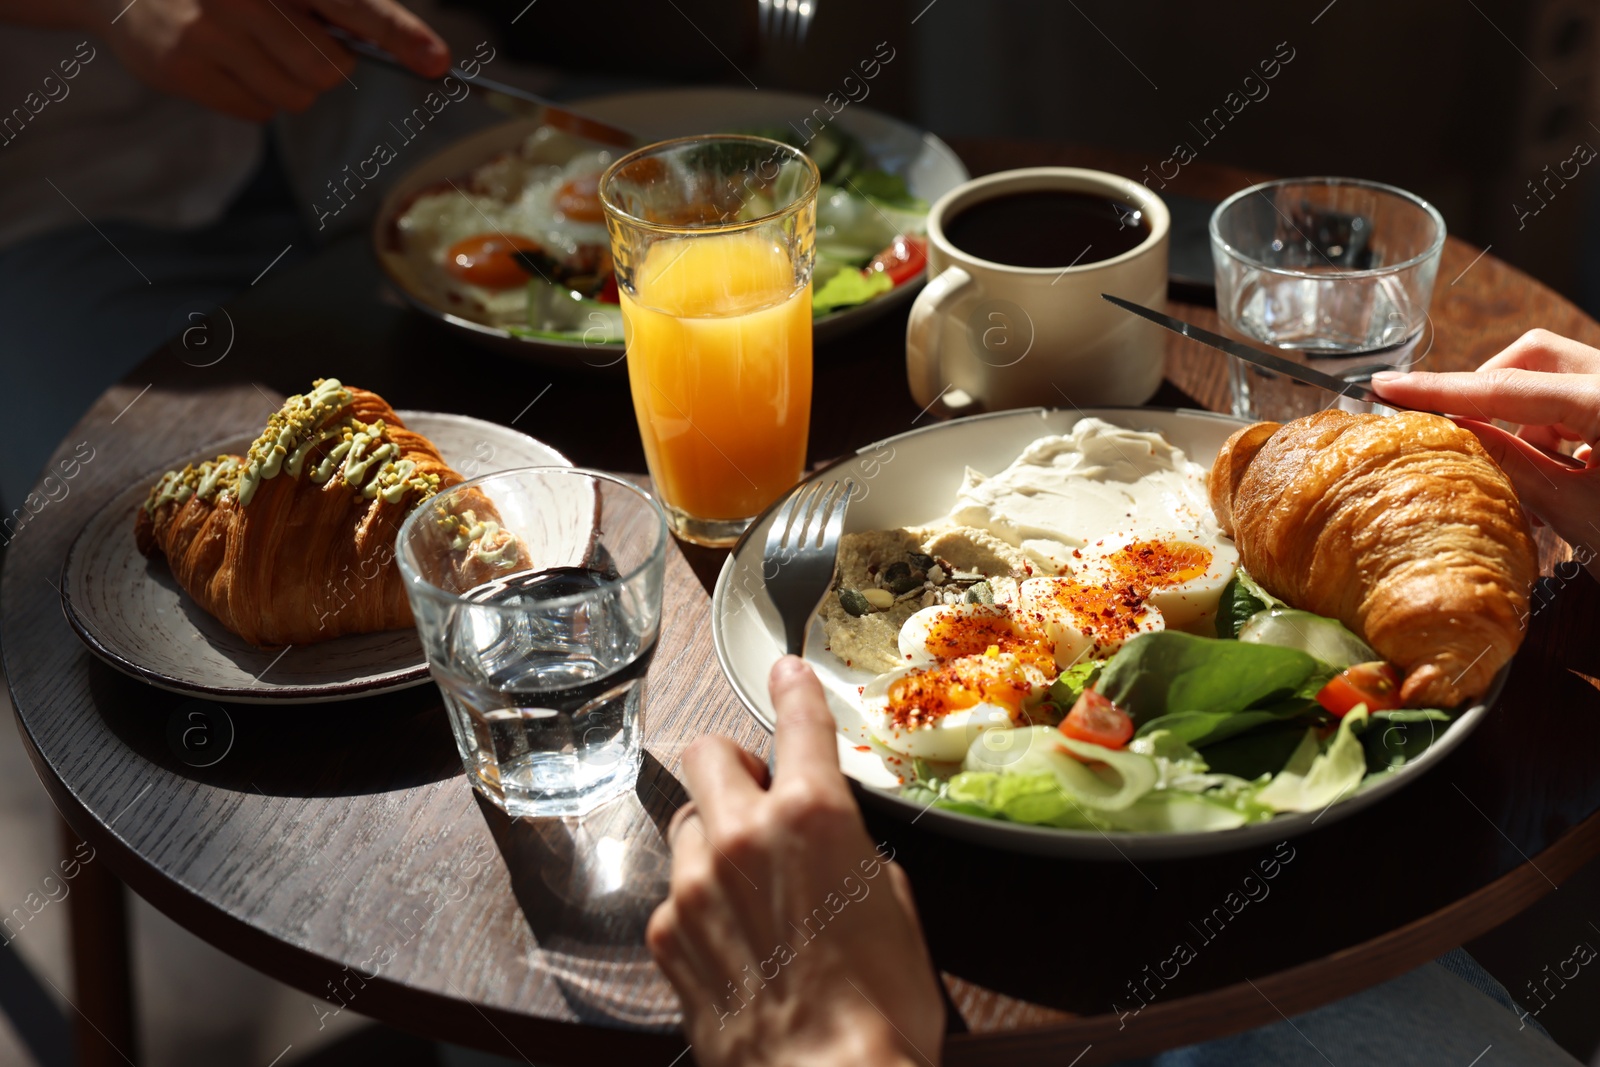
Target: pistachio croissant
pixel 1399 526
pixel 294 541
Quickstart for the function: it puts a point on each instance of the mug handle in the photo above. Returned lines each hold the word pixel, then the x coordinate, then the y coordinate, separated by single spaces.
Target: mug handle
pixel 923 332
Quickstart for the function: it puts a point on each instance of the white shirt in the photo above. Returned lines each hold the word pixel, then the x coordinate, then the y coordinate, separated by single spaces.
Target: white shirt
pixel 78 134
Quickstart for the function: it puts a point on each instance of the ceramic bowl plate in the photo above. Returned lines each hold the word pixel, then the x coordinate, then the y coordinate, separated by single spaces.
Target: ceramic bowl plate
pixel 131 612
pixel 911 480
pixel 930 168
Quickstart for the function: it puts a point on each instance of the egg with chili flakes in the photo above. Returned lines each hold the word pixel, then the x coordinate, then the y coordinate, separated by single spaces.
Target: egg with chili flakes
pixel 950 631
pixel 1134 588
pixel 970 668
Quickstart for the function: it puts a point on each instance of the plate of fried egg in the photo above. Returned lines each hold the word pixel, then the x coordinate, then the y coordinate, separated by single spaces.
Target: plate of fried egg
pixel 1038 637
pixel 501 234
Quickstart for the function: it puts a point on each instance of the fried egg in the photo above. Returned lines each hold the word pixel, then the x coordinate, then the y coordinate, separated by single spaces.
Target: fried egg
pixel 511 202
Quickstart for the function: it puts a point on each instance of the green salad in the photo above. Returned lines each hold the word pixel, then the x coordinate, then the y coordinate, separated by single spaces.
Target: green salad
pixel 869 226
pixel 869 241
pixel 1280 712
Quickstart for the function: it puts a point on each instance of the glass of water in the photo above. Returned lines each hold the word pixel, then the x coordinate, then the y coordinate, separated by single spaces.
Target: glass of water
pixel 1333 272
pixel 537 593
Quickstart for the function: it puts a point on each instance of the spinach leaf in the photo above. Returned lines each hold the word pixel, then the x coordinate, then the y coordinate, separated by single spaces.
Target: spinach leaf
pixel 1158 673
pixel 1236 607
pixel 1395 738
pixel 1201 728
pixel 1261 751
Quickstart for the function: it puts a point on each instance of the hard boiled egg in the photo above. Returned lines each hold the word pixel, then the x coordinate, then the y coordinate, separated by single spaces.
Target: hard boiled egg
pixel 934 713
pixel 1084 618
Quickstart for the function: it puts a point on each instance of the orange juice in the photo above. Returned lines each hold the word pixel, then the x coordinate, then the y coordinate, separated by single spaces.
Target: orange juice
pixel 719 359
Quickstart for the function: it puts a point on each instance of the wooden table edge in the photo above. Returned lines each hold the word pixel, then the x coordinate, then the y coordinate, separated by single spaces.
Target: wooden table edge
pixel 1303 987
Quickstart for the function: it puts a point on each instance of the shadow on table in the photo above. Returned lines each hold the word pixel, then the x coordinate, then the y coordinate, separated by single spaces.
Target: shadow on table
pixel 586 887
pixel 347 748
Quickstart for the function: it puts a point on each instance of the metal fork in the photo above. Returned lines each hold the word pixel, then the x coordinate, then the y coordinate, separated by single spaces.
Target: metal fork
pixel 802 544
pixel 785 22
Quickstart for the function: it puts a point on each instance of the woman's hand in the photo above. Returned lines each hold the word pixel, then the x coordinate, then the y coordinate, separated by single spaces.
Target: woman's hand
pixel 254 58
pixel 1551 386
pixel 789 938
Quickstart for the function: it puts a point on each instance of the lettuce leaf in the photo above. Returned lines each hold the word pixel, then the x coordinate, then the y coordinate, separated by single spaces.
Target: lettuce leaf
pixel 1093 776
pixel 1314 778
pixel 1070 683
pixel 848 288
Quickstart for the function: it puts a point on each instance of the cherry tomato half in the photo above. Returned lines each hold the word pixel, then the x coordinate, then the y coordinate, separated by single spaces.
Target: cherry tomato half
pixel 903 260
pixel 486 260
pixel 1098 721
pixel 1376 685
pixel 579 199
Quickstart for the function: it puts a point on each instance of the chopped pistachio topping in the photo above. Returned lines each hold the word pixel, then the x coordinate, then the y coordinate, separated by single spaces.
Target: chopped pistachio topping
pixel 292 433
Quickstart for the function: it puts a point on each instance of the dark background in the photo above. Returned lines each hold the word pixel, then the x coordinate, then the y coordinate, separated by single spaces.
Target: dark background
pixel 1461 101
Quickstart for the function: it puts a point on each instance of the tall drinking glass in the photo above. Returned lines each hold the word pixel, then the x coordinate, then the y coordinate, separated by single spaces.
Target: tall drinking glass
pixel 537 593
pixel 714 239
pixel 1333 272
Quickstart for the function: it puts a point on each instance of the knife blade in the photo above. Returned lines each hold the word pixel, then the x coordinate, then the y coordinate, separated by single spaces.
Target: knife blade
pixel 1298 371
pixel 1359 391
pixel 553 114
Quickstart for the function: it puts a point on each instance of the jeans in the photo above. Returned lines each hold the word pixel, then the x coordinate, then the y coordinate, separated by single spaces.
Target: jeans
pixel 1447 1013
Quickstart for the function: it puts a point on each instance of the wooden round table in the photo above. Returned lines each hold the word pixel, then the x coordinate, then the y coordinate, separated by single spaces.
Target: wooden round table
pixel 339 847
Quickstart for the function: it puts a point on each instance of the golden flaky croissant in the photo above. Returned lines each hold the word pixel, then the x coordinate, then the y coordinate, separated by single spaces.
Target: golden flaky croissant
pixel 294 542
pixel 1400 526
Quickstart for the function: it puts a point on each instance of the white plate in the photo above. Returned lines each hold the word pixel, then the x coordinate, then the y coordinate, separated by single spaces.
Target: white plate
pixel 132 613
pixel 930 168
pixel 909 480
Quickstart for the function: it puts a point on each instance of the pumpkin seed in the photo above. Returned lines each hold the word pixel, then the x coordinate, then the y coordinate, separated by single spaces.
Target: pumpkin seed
pixel 979 594
pixel 898 578
pixel 854 603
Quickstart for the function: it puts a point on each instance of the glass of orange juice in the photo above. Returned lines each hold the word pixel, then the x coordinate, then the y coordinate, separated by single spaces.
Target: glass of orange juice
pixel 714 239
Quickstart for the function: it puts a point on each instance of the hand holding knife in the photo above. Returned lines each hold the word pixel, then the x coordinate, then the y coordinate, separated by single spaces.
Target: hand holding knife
pixel 1359 391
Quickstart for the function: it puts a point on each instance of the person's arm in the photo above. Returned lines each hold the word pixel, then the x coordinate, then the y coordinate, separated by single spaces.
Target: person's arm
pixel 246 58
pixel 1550 385
pixel 788 936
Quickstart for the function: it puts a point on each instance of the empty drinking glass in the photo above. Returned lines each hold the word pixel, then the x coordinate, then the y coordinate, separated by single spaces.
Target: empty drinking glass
pixel 537 593
pixel 1333 272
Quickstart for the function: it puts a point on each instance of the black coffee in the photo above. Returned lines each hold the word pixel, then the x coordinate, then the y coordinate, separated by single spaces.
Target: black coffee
pixel 1047 228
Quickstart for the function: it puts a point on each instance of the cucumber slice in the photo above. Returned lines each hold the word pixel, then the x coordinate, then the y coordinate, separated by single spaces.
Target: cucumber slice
pixel 1120 778
pixel 1324 638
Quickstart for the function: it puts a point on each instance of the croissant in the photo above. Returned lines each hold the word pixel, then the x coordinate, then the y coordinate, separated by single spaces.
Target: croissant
pixel 294 542
pixel 1400 526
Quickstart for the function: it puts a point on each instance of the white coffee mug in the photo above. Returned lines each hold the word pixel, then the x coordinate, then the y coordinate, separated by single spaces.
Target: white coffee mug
pixel 985 336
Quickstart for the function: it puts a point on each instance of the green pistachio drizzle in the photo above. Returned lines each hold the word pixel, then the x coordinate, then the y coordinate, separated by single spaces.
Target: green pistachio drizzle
pixel 470 535
pixel 363 458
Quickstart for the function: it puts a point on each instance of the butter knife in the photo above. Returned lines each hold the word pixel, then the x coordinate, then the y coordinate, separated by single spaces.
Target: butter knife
pixel 1358 390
